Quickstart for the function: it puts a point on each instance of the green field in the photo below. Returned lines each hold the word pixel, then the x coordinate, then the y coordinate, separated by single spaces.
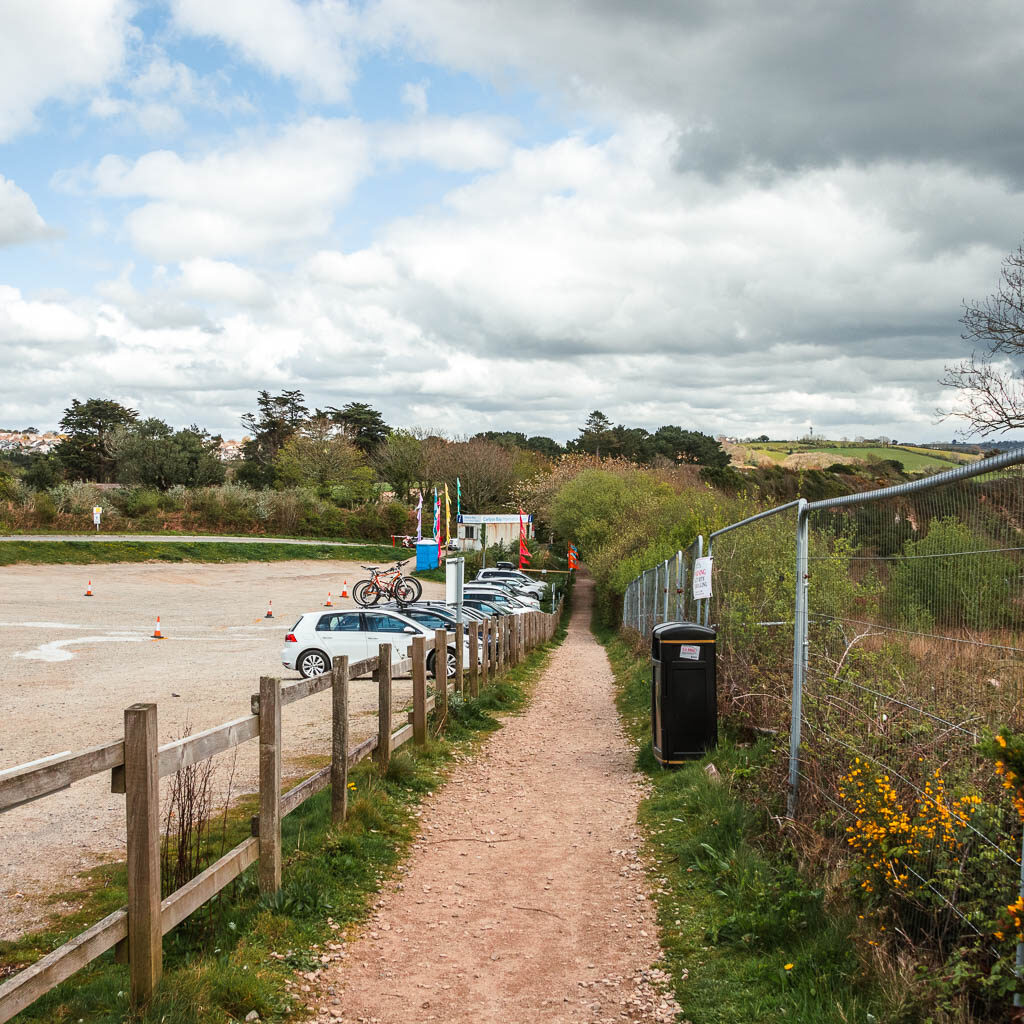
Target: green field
pixel 914 460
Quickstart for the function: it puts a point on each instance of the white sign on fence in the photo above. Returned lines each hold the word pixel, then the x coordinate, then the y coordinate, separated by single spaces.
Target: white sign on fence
pixel 701 578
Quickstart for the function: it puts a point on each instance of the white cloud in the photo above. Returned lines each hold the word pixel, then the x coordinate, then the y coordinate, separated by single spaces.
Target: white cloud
pixel 156 95
pixel 451 143
pixel 24 322
pixel 19 218
pixel 242 198
pixel 54 49
pixel 309 43
pixel 219 281
pixel 414 96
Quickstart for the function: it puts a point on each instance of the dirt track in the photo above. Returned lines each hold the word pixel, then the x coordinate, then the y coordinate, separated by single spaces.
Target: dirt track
pixel 525 899
pixel 70 665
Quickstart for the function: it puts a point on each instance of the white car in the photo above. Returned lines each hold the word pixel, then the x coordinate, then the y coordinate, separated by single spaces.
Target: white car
pixel 517 579
pixel 483 587
pixel 320 636
pixel 506 602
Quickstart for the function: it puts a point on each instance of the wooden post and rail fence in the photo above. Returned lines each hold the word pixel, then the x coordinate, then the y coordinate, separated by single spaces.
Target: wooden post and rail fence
pixel 137 763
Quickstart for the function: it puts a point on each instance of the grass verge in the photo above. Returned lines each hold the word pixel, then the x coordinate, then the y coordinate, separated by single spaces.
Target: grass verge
pixel 745 936
pixel 45 552
pixel 240 952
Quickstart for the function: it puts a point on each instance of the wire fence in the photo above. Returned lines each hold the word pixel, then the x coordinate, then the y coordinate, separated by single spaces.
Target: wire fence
pixel 883 633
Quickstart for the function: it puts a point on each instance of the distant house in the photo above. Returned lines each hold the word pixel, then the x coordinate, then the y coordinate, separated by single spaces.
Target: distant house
pixel 500 528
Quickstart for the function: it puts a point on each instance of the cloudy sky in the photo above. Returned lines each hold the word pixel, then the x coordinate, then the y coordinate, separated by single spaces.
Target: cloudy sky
pixel 732 215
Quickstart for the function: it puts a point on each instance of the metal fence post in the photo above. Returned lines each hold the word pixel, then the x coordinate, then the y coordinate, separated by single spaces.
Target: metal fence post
pixel 679 585
pixel 799 653
pixel 664 617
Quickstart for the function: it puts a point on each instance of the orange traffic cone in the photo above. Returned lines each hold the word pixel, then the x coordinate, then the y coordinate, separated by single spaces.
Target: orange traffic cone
pixel 270 610
pixel 344 589
pixel 328 603
pixel 157 635
pixel 88 590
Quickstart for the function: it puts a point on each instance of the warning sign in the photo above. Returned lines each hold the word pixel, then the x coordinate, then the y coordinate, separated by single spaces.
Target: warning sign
pixel 701 579
pixel 689 652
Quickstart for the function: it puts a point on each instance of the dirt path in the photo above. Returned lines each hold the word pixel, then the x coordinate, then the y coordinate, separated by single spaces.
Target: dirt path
pixel 525 899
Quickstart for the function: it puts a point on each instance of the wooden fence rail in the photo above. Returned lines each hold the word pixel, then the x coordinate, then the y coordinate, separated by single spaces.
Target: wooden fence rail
pixel 137 764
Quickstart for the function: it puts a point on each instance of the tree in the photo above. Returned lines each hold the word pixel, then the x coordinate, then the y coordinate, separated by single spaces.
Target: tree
pixel 151 454
pixel 364 426
pixel 689 446
pixel 319 454
pixel 544 446
pixel 595 435
pixel 399 461
pixel 276 419
pixel 487 472
pixel 83 453
pixel 992 390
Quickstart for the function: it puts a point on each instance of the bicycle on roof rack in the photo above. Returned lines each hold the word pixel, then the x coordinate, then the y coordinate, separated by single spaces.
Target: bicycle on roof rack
pixel 386 584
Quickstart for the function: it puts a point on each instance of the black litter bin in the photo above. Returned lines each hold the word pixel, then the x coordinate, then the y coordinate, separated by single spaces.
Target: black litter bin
pixel 684 697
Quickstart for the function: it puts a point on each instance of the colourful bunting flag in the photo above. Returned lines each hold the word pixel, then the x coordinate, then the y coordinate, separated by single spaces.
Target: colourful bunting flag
pixel 447 515
pixel 524 551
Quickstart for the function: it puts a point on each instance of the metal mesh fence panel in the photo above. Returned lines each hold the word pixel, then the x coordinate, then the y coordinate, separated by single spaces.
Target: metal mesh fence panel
pixel 753 573
pixel 915 630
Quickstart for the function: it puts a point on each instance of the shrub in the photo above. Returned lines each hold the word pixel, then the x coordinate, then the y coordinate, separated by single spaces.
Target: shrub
pixel 947 578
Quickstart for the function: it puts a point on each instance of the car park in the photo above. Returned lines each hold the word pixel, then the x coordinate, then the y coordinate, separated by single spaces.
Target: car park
pixel 320 636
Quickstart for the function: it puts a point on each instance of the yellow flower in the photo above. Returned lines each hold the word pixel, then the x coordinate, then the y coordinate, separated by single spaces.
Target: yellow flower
pixel 1001 741
pixel 787 967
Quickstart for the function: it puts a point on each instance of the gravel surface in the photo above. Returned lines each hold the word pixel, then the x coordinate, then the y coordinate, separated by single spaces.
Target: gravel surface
pixel 70 665
pixel 525 899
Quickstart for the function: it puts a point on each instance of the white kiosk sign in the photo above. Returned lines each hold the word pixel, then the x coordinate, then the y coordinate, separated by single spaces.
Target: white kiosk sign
pixel 97 511
pixel 701 579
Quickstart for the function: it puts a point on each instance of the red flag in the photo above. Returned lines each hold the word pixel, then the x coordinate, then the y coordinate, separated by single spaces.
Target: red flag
pixel 524 551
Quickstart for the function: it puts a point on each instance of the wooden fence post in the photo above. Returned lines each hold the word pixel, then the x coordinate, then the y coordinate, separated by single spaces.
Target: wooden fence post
pixel 460 645
pixel 142 811
pixel 441 677
pixel 485 659
pixel 503 646
pixel 339 739
pixel 517 653
pixel 384 709
pixel 474 658
pixel 270 785
pixel 419 690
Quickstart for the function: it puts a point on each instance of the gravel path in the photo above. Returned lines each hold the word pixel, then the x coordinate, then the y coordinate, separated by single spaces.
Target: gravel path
pixel 525 899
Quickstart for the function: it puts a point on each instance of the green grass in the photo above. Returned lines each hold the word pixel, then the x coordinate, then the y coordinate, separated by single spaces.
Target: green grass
pixel 733 911
pixel 437 575
pixel 237 953
pixel 46 552
pixel 914 459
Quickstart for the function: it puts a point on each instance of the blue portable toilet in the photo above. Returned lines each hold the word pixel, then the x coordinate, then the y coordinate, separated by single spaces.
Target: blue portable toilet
pixel 426 554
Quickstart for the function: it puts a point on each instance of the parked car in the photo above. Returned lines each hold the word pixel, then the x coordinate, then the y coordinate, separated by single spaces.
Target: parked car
pixel 483 605
pixel 320 636
pixel 497 590
pixel 506 602
pixel 518 579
